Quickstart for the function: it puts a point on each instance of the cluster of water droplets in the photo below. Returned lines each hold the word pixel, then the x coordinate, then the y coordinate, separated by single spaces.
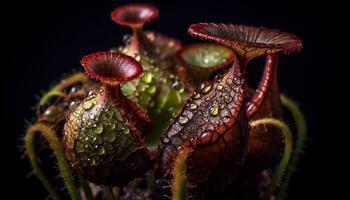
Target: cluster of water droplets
pixel 99 136
pixel 214 102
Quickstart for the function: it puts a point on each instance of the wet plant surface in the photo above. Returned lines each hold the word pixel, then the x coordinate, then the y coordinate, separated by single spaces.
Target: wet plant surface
pixel 167 133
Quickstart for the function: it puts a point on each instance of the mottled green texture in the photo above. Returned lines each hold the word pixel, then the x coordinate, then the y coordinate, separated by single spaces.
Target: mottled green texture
pixel 206 56
pixel 158 91
pixel 97 137
pixel 57 149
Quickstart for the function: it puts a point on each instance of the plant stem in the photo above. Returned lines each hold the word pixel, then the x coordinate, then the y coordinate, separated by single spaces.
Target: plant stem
pixel 47 97
pixel 300 123
pixel 56 147
pixel 57 90
pixel 151 182
pixel 179 190
pixel 288 147
pixel 110 193
pixel 86 188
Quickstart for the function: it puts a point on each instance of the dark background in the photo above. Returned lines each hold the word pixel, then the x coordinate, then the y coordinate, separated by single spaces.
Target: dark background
pixel 45 40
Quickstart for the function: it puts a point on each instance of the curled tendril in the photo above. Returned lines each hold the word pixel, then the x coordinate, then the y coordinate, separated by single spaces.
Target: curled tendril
pixel 179 184
pixel 57 90
pixel 62 163
pixel 285 161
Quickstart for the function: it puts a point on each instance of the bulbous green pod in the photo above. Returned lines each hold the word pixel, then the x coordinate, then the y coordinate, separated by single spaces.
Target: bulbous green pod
pixel 103 136
pixel 100 144
pixel 158 90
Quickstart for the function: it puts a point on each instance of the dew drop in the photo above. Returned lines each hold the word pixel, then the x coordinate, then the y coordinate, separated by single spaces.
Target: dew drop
pixel 151 89
pixel 91 92
pixel 226 119
pixel 227 98
pixel 101 150
pixel 171 44
pixel 141 87
pixel 147 77
pixel 137 57
pixel 193 106
pixel 165 139
pixel 205 137
pixel 125 130
pixel 218 78
pixel 214 110
pixel 126 39
pixel 229 81
pixel 206 60
pixel 237 81
pixel 88 104
pixel 109 114
pixel 51 112
pixel 175 84
pixel 219 87
pixel 196 95
pixel 98 128
pixel 72 104
pixel 205 88
pixel 73 89
pixel 112 126
pixel 183 120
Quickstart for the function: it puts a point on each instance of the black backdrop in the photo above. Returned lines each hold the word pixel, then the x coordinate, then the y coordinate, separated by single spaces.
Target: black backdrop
pixel 45 40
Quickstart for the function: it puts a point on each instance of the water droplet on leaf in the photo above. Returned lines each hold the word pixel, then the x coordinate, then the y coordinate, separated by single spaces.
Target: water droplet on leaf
pixel 193 106
pixel 147 77
pixel 151 89
pixel 88 104
pixel 219 87
pixel 227 98
pixel 218 78
pixel 214 110
pixel 205 88
pixel 98 128
pixel 183 120
pixel 229 81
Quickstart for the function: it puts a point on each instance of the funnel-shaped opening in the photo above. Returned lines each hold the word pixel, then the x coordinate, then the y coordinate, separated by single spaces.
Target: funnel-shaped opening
pixel 111 67
pixel 205 57
pixel 135 14
pixel 247 41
